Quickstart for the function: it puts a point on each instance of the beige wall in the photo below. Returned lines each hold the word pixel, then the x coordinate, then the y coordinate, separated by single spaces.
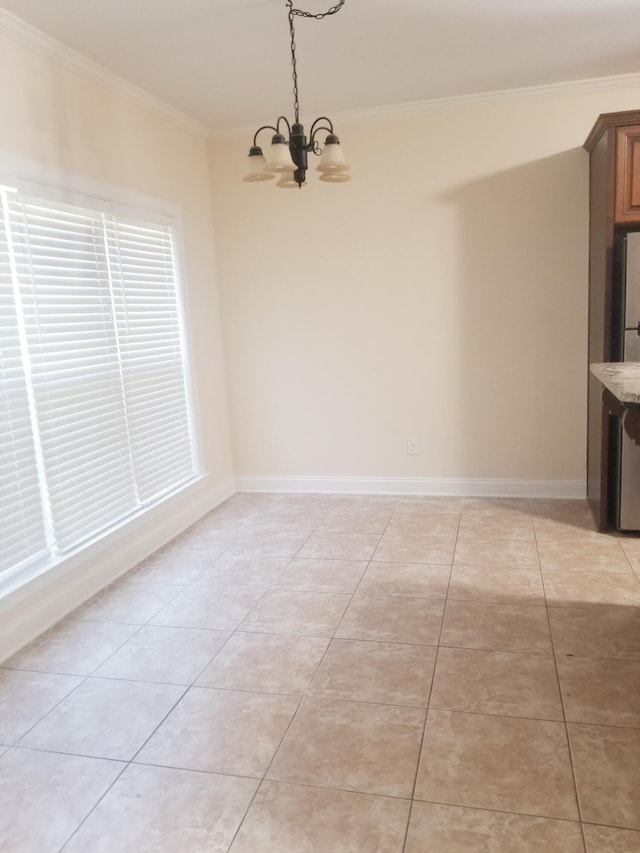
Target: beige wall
pixel 59 117
pixel 441 294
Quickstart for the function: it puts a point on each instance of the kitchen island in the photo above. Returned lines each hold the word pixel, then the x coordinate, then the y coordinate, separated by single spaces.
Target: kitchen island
pixel 621 392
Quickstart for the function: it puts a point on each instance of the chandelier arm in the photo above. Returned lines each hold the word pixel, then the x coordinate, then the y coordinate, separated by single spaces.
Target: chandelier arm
pixel 260 129
pixel 316 126
pixel 286 121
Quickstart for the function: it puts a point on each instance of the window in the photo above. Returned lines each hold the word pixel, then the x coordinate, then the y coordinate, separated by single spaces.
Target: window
pixel 94 414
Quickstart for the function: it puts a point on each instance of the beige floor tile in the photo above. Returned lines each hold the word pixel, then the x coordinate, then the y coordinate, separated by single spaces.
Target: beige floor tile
pixel 421 504
pixel 208 607
pixel 516 685
pixel 287 818
pixel 498 508
pixel 340 546
pixel 152 809
pixel 25 698
pixel 291 527
pixel 411 548
pixel 234 572
pixel 353 746
pixel 322 575
pixel 496 585
pixel 608 839
pixel 496 627
pixel 356 503
pixel 605 692
pixel 596 554
pixel 208 542
pixel 164 655
pixel 631 547
pixel 423 524
pixel 393 619
pixel 131 603
pixel 489 551
pixel 221 731
pixel 389 673
pixel 606 760
pixel 579 530
pixel 368 520
pixel 414 579
pixel 265 663
pixel 502 763
pixel 72 648
pixel 572 589
pixel 290 514
pixel 501 525
pixel 560 510
pixel 315 614
pixel 599 631
pixel 104 718
pixel 173 569
pixel 44 797
pixel 269 544
pixel 435 828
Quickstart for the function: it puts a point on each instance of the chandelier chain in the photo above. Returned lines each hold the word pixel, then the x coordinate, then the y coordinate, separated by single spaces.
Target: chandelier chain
pixel 302 14
pixel 320 15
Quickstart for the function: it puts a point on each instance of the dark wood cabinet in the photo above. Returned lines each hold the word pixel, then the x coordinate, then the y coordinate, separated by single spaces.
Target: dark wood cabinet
pixel 628 174
pixel 614 207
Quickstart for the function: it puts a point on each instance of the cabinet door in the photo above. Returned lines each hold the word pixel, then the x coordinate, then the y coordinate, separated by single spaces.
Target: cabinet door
pixel 628 174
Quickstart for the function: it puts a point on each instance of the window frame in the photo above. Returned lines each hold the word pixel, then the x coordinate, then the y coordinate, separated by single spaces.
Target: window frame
pixel 39 181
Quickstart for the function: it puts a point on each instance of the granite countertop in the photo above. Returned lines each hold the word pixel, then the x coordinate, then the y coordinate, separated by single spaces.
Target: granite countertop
pixel 621 378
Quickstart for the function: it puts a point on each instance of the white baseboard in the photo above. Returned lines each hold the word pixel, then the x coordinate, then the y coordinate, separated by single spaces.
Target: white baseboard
pixel 29 609
pixel 564 489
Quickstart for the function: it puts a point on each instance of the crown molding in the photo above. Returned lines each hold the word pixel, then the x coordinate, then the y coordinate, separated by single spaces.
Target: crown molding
pixel 20 31
pixel 412 109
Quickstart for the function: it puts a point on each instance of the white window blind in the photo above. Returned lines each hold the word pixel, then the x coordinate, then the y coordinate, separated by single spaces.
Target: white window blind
pixel 22 533
pixel 95 309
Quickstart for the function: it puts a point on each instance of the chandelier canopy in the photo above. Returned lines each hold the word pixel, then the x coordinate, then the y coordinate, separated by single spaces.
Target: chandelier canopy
pixel 287 155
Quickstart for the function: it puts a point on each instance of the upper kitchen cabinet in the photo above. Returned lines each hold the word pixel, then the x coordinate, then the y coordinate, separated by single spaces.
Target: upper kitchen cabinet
pixel 618 134
pixel 628 174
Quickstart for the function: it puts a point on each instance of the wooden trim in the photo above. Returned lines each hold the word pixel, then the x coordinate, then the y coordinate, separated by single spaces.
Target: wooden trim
pixel 607 120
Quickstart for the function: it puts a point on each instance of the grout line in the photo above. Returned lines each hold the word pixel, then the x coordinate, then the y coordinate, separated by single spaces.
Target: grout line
pixel 566 727
pixel 128 763
pixel 239 630
pixel 433 678
pixel 234 632
pixel 305 693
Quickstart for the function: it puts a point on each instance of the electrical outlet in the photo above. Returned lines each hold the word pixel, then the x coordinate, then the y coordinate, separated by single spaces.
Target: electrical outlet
pixel 412 446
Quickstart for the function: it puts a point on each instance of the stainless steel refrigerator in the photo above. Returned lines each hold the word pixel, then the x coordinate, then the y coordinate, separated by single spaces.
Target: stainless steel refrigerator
pixel 625 461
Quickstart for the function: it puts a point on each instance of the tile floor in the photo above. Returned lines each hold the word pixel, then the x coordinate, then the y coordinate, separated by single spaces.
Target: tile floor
pixel 334 674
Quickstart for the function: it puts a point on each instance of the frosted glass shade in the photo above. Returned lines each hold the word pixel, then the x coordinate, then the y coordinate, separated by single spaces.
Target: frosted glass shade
pixel 288 182
pixel 335 177
pixel 279 157
pixel 332 159
pixel 256 171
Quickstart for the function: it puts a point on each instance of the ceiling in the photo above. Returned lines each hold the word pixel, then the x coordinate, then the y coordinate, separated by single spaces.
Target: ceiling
pixel 226 63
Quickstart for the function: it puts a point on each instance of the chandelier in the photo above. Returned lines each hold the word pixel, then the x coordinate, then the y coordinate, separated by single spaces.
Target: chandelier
pixel 287 155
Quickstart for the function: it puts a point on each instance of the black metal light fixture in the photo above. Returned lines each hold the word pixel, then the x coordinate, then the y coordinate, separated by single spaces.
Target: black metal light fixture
pixel 287 155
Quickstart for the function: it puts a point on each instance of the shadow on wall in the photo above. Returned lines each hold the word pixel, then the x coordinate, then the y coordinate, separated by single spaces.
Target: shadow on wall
pixel 523 237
